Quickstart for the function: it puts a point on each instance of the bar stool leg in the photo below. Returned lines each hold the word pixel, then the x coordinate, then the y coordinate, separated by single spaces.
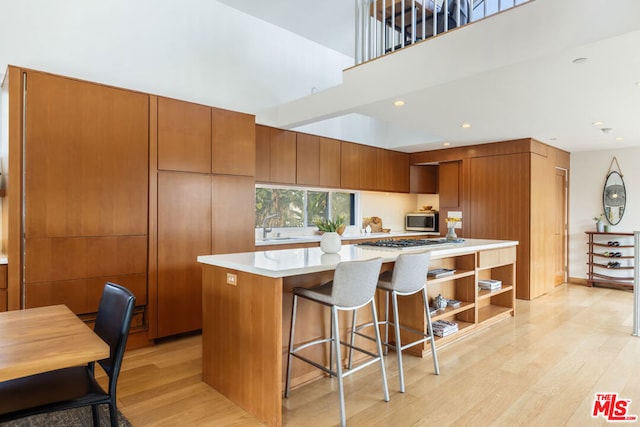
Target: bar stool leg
pixel 335 337
pixel 386 323
pixel 430 330
pixel 354 318
pixel 291 335
pixel 385 387
pixel 396 322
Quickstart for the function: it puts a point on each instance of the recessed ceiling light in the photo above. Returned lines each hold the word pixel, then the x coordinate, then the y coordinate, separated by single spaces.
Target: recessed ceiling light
pixel 446 144
pixel 606 130
pixel 598 123
pixel 638 83
pixel 580 60
pixel 398 103
pixel 465 125
pixel 619 138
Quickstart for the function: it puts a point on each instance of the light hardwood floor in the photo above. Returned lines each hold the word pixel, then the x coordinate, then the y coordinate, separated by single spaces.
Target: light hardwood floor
pixel 541 368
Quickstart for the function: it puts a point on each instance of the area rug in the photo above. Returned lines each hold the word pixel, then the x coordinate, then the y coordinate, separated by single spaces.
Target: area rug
pixel 79 417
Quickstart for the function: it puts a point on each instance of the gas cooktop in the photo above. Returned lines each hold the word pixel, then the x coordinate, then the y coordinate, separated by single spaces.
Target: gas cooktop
pixel 407 243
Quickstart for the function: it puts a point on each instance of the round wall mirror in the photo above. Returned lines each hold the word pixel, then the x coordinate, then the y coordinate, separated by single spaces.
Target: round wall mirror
pixel 614 198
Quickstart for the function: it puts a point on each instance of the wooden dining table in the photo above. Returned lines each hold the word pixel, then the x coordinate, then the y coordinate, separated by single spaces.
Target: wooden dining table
pixel 43 339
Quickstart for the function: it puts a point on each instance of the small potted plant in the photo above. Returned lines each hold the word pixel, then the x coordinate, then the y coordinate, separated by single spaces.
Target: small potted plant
pixel 331 229
pixel 599 222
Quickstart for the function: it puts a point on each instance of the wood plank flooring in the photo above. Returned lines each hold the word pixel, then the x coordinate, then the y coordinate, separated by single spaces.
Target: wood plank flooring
pixel 542 367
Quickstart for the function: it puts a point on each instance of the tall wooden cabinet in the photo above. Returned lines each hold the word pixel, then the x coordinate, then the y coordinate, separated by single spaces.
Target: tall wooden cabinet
pixel 507 190
pixel 203 203
pixel 85 170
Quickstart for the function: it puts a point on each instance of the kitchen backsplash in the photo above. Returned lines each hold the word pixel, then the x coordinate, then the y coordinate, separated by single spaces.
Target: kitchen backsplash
pixel 392 207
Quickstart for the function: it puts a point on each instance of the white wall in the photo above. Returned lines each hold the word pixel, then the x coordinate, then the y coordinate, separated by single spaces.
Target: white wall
pixel 588 174
pixel 197 50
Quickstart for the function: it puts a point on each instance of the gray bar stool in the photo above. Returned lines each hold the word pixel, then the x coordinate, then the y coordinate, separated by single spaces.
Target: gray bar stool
pixel 353 287
pixel 409 277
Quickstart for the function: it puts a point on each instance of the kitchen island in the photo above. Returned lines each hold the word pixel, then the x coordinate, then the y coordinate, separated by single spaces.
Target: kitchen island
pixel 247 310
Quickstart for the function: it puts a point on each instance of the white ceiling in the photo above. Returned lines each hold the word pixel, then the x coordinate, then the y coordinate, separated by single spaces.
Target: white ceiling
pixel 510 76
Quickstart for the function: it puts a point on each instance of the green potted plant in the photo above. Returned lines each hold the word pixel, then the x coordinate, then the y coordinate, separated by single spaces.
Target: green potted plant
pixel 330 242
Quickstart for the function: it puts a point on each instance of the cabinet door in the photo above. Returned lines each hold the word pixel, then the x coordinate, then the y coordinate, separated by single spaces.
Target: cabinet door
pixel 263 153
pixel 184 136
pixel 308 159
pixel 329 162
pixel 233 221
pixel 86 191
pixel 350 166
pixel 368 167
pixel 449 184
pixel 282 167
pixel 233 143
pixel 392 171
pixel 184 232
pixel 424 179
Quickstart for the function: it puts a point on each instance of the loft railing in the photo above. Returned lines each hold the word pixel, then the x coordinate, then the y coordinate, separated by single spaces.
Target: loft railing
pixel 384 26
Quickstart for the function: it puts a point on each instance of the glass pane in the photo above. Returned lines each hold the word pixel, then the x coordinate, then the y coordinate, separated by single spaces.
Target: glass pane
pixel 342 204
pixel 317 208
pixel 286 204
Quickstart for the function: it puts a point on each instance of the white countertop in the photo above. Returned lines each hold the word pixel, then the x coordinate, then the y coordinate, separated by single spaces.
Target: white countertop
pixel 292 262
pixel 290 240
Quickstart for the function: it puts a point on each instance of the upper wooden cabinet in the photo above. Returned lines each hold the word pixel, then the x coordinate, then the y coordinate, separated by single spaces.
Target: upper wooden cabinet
pixel 318 161
pixel 197 138
pixel 392 171
pixel 350 166
pixel 184 136
pixel 423 179
pixel 233 143
pixel 275 155
pixel 449 184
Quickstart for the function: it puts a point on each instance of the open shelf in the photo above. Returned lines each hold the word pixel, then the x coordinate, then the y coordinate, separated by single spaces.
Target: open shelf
pixel 599 271
pixel 457 275
pixel 491 311
pixel 449 311
pixel 485 293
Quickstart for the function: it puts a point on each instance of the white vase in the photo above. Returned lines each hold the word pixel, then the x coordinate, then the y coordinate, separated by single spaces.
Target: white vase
pixel 599 226
pixel 330 242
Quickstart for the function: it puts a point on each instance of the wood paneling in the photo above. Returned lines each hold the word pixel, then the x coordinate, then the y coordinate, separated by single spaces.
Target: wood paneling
pixel 275 155
pixel 228 362
pixel 308 159
pixel 82 296
pixel 184 136
pixel 184 232
pixel 423 179
pixel 368 167
pixel 350 166
pixel 330 155
pixel 233 214
pixel 500 206
pixel 86 156
pixel 233 143
pixel 392 172
pixel 68 258
pixel 449 184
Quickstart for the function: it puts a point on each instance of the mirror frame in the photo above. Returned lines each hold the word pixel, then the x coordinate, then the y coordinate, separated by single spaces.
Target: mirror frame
pixel 613 182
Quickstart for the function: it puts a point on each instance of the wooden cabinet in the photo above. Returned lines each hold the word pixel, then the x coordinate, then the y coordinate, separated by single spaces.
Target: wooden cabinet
pixel 318 161
pixel 233 143
pixel 196 213
pixel 184 232
pixel 275 155
pixel 392 171
pixel 611 258
pixel 350 166
pixel 449 184
pixel 423 179
pixel 86 185
pixel 184 136
pixel 198 138
pixel 3 287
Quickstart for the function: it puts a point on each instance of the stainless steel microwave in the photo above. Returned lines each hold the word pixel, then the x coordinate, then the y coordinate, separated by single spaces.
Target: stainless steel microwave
pixel 421 221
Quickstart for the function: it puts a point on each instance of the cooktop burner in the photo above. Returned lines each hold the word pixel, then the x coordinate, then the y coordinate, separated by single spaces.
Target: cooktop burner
pixel 406 243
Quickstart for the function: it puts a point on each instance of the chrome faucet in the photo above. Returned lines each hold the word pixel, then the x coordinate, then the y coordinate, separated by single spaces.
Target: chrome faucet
pixel 266 230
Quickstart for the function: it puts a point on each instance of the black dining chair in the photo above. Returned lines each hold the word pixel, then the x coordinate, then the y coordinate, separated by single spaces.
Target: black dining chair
pixel 76 386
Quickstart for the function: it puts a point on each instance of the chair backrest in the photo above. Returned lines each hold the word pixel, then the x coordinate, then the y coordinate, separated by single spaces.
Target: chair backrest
pixel 354 282
pixel 112 325
pixel 410 271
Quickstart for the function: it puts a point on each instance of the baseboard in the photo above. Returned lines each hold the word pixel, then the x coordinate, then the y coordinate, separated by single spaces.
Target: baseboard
pixel 578 281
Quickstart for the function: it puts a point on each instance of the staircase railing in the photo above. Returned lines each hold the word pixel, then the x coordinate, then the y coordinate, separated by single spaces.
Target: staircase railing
pixel 384 26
